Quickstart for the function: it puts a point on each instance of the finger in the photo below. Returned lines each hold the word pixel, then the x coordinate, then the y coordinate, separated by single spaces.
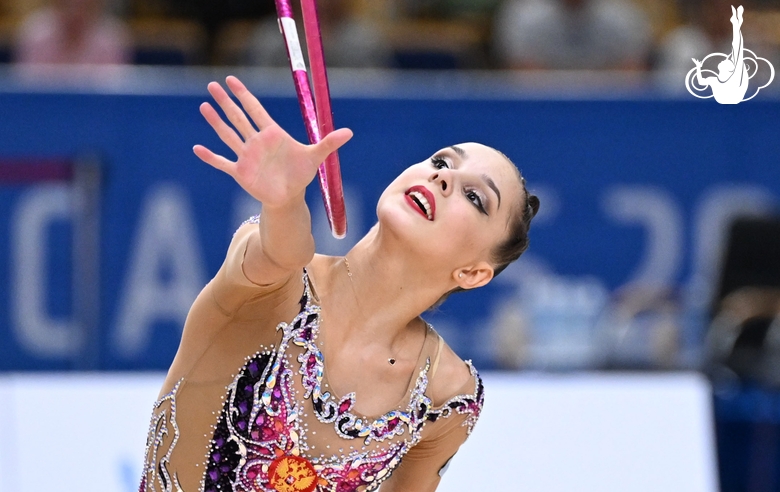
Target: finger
pixel 235 114
pixel 332 142
pixel 214 160
pixel 250 103
pixel 225 133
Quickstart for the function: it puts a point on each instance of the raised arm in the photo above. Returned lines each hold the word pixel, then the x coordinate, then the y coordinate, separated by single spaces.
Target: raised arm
pixel 273 168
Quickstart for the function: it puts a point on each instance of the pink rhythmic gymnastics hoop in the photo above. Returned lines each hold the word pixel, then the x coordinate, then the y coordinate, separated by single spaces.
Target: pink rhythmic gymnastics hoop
pixel 316 111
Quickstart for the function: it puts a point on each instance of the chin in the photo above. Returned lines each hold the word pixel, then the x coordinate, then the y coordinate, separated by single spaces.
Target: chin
pixel 414 231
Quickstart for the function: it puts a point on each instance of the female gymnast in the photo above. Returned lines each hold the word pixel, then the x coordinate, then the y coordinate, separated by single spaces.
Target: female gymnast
pixel 302 372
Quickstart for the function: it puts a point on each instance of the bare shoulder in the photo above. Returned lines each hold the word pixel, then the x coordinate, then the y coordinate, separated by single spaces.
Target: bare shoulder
pixel 452 377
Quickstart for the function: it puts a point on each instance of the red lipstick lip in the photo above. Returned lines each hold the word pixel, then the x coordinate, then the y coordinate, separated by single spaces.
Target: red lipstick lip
pixel 428 196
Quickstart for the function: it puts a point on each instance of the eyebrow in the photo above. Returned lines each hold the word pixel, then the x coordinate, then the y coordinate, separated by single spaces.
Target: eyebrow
pixel 461 153
pixel 493 187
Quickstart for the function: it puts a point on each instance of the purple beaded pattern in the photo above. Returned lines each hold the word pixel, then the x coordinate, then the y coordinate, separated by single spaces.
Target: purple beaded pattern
pixel 260 420
pixel 470 405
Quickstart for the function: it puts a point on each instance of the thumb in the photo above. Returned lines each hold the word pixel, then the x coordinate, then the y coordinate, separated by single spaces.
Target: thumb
pixel 332 142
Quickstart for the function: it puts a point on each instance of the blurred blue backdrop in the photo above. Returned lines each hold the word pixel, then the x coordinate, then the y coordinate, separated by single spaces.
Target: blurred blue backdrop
pixel 636 193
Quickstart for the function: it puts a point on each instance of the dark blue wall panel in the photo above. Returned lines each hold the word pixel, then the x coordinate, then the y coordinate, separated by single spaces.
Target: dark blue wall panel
pixel 573 151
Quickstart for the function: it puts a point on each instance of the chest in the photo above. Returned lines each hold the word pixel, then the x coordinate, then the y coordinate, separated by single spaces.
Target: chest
pixel 279 423
pixel 280 407
pixel 378 384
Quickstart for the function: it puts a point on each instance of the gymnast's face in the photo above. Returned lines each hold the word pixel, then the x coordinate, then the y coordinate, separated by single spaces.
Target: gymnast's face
pixel 451 210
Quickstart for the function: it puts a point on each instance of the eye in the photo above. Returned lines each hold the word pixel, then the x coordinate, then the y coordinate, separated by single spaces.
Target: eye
pixel 474 198
pixel 439 163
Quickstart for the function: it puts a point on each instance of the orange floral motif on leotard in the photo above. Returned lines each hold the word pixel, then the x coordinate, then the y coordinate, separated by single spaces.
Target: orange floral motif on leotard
pixel 292 474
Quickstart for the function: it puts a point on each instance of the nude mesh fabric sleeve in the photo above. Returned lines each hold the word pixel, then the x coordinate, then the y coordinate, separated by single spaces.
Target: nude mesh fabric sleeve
pixel 438 356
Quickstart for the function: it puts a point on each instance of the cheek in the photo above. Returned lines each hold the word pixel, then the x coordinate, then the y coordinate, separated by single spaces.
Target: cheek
pixel 463 232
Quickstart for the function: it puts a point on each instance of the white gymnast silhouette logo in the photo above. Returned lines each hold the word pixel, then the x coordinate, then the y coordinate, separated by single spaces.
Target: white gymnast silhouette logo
pixel 735 70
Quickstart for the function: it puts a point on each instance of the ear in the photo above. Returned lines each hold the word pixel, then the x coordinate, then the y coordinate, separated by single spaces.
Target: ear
pixel 473 276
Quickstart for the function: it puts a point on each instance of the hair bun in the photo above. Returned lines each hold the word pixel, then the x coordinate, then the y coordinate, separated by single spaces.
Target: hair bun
pixel 533 202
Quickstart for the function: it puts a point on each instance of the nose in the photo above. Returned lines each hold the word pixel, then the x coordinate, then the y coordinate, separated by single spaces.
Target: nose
pixel 442 179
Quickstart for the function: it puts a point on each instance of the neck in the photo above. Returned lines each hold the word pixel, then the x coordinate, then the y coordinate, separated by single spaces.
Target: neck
pixel 387 290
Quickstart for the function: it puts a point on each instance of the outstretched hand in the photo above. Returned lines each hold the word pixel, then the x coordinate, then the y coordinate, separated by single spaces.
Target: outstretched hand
pixel 271 166
pixel 697 62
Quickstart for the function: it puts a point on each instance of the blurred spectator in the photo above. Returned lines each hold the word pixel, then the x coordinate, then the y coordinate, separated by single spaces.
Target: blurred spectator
pixel 349 39
pixel 214 16
pixel 266 46
pixel 445 8
pixel 73 31
pixel 571 34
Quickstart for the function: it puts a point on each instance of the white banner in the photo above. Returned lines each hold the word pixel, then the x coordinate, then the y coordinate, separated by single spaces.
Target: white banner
pixel 545 433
